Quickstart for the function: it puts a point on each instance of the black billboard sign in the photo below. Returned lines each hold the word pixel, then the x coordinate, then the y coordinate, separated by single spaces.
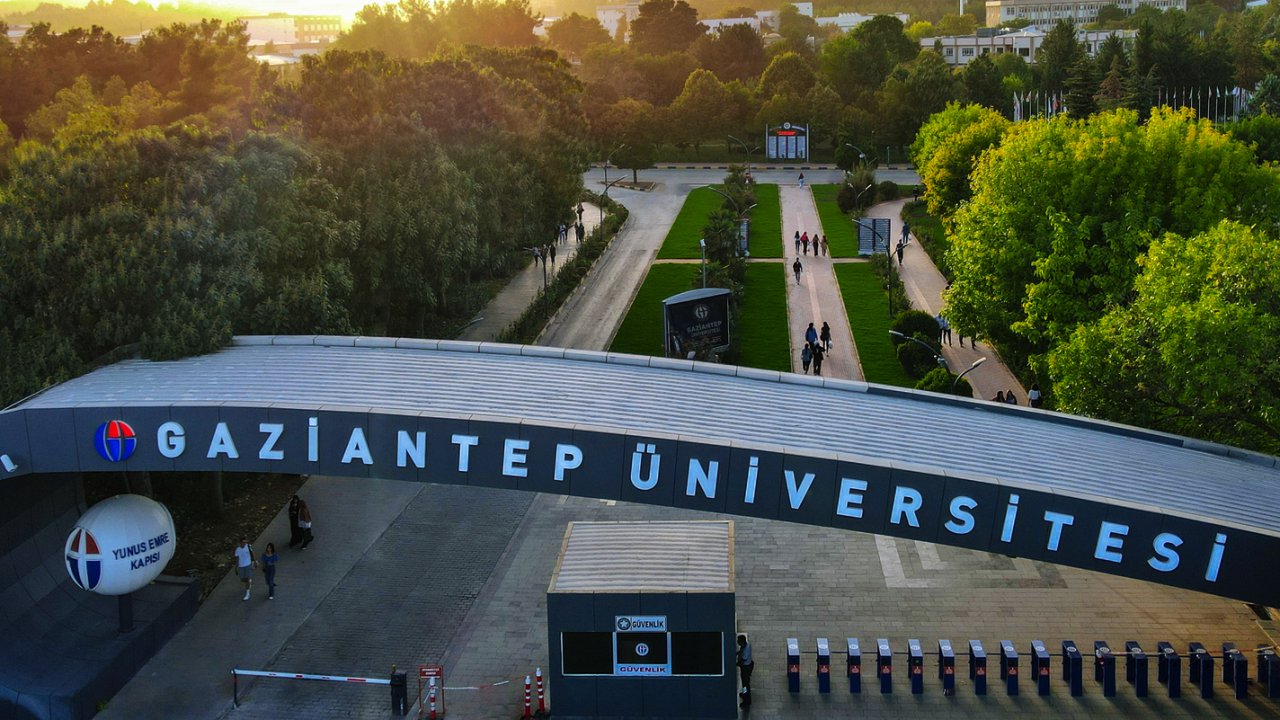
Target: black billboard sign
pixel 696 322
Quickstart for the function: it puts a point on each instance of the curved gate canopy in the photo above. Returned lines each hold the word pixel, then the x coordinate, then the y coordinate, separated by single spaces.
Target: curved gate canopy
pixel 836 453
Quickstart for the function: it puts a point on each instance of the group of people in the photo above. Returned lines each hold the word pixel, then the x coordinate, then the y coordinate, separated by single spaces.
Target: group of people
pixel 803 241
pixel 817 343
pixel 299 536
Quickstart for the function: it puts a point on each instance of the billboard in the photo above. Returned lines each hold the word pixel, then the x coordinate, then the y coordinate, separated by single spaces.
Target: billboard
pixel 695 322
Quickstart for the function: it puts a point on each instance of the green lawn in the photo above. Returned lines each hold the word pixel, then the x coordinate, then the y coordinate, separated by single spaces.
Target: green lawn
pixel 682 238
pixel 928 229
pixel 762 326
pixel 838 227
pixel 641 331
pixel 765 240
pixel 868 308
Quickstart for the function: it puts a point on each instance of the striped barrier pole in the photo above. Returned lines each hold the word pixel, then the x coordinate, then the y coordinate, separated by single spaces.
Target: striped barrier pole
pixel 542 696
pixel 528 703
pixel 432 696
pixel 311 676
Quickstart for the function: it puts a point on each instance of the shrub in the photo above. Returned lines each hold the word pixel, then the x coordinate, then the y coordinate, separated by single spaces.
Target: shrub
pixel 917 323
pixel 887 191
pixel 916 360
pixel 847 199
pixel 940 380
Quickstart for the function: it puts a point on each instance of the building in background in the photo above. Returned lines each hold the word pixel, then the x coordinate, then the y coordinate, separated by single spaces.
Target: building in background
pixel 959 50
pixel 1048 12
pixel 847 21
pixel 292 31
pixel 610 16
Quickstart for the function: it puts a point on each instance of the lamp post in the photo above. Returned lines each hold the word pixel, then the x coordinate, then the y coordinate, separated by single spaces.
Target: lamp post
pixel 861 155
pixel 942 362
pixel 741 212
pixel 956 381
pixel 607 160
pixel 702 242
pixel 745 148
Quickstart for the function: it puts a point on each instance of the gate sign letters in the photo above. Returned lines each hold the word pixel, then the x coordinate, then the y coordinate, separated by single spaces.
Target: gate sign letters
pixel 120 545
pixel 815 487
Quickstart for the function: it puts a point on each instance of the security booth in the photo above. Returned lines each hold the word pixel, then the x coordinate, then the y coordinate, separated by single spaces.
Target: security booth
pixel 641 621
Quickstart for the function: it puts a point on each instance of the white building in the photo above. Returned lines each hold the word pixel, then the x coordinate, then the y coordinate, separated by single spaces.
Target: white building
pixel 1047 12
pixel 610 16
pixel 714 24
pixel 959 50
pixel 849 20
pixel 287 30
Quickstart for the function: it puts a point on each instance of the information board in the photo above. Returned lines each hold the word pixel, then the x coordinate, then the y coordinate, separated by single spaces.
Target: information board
pixel 787 142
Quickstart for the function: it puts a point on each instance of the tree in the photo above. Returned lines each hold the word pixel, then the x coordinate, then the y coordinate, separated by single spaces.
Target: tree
pixel 662 77
pixel 735 52
pixel 920 30
pixel 948 147
pixel 703 110
pixel 982 85
pixel 787 74
pixel 1110 14
pixel 574 33
pixel 796 29
pixel 1081 86
pixel 1198 350
pixel 1058 54
pixel 1110 93
pixel 1266 98
pixel 857 63
pixel 1111 53
pixel 1061 210
pixel 665 26
pixel 915 91
pixel 952 24
pixel 1262 132
pixel 637 124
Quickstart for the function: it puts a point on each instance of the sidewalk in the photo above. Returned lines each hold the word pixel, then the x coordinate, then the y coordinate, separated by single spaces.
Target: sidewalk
pixel 817 298
pixel 924 286
pixel 509 304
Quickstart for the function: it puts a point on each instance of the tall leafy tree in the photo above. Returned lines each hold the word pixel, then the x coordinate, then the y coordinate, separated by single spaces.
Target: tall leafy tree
pixel 574 33
pixel 983 86
pixel 948 147
pixel 735 52
pixel 1058 54
pixel 665 26
pixel 1081 86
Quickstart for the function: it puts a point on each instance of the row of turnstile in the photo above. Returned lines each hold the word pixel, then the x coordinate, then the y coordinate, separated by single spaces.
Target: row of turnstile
pixel 1200 665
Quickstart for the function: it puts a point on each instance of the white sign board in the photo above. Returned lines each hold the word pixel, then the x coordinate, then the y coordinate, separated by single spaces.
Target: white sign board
pixel 120 545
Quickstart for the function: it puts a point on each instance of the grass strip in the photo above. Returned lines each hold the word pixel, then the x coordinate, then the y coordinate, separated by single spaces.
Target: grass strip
pixel 762 324
pixel 842 241
pixel 641 330
pixel 682 239
pixel 868 308
pixel 765 239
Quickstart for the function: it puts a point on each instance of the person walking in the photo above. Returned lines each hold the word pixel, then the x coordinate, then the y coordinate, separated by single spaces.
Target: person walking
pixel 944 329
pixel 553 256
pixel 804 240
pixel 806 357
pixel 999 396
pixel 245 563
pixel 801 179
pixel 1010 398
pixel 824 245
pixel 537 255
pixel 811 334
pixel 746 664
pixel 797 242
pixel 269 560
pixel 582 232
pixel 817 359
pixel 304 523
pixel 295 533
pixel 580 209
pixel 825 336
pixel 1035 398
pixel 901 247
pixel 796 268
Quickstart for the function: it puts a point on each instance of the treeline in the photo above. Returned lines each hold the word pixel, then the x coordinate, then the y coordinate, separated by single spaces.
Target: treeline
pixel 157 208
pixel 1129 266
pixel 119 17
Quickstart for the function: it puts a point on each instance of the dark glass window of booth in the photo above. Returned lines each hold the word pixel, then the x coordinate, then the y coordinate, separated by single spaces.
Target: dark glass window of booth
pixel 592 653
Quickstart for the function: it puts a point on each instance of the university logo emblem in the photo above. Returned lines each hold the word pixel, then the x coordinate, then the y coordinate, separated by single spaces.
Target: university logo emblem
pixel 115 440
pixel 84 561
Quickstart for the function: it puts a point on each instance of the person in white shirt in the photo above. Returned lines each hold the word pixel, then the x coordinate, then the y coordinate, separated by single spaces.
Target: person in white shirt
pixel 245 563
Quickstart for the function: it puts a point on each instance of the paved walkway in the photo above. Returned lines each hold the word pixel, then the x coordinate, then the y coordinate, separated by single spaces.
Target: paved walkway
pixel 509 304
pixel 924 286
pixel 816 299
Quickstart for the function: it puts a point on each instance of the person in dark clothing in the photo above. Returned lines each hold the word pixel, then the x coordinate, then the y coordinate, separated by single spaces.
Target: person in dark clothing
pixel 295 532
pixel 304 523
pixel 825 336
pixel 818 353
pixel 806 357
pixel 746 664
pixel 580 209
pixel 796 268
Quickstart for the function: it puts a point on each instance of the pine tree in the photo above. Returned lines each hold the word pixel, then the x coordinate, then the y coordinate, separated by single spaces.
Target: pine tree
pixel 1111 91
pixel 1081 86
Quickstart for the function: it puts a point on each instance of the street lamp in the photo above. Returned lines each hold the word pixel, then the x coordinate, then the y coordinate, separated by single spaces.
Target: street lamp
pixel 607 160
pixel 702 242
pixel 745 148
pixel 861 155
pixel 956 381
pixel 942 362
pixel 742 213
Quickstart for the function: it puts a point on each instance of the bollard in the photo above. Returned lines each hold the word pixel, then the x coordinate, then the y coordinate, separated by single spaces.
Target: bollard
pixel 793 665
pixel 1009 667
pixel 978 667
pixel 824 667
pixel 1040 667
pixel 1201 668
pixel 528 702
pixel 1073 667
pixel 542 694
pixel 855 666
pixel 947 667
pixel 399 692
pixel 1272 661
pixel 884 666
pixel 1135 668
pixel 1239 673
pixel 915 666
